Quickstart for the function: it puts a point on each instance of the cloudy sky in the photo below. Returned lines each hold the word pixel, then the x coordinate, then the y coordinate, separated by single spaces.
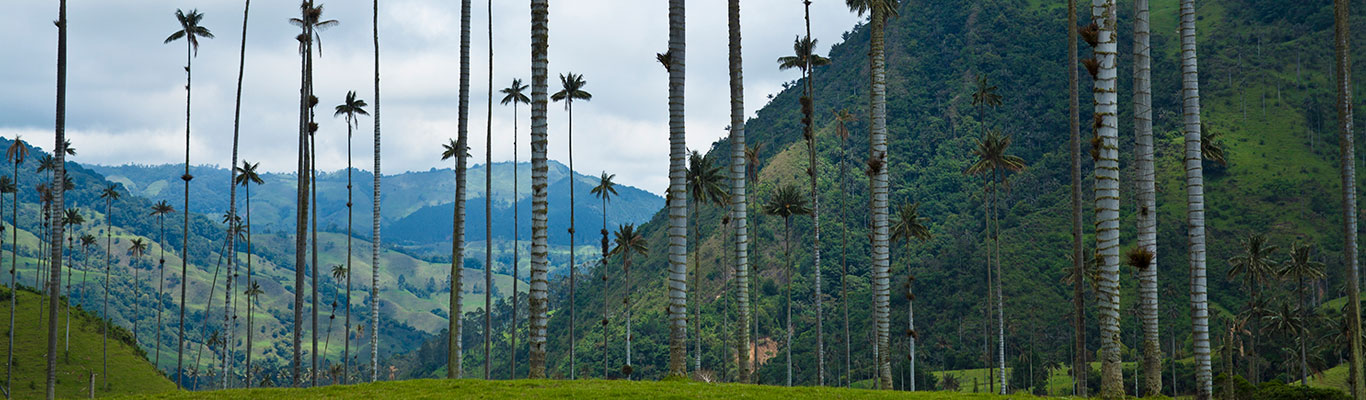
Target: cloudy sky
pixel 126 100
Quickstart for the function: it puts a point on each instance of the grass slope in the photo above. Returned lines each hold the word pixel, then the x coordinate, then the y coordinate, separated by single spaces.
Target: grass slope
pixel 129 370
pixel 588 389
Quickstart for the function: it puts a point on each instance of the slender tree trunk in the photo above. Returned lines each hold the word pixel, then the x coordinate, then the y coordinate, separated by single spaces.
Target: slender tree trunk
pixel 13 277
pixel 1107 196
pixel 1079 366
pixel 540 36
pixel 573 265
pixel 208 310
pixel 185 236
pixel 880 181
pixel 251 279
pixel 161 281
pixel 488 215
pixel 454 367
pixel 1000 295
pixel 1343 65
pixel 313 234
pixel 301 221
pixel 57 198
pixel 232 172
pixel 374 219
pixel 815 202
pixel 1147 203
pixel 626 262
pixel 678 196
pixel 787 276
pixel 107 320
pixel 516 248
pixel 605 286
pixel 66 342
pixel 739 202
pixel 1195 202
pixel 346 335
pixel 696 276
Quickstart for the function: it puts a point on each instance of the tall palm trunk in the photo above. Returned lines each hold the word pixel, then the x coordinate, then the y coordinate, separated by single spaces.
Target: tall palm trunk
pixel 1195 203
pixel 1000 296
pixel 910 314
pixel 1107 195
pixel 346 336
pixel 738 201
pixel 185 234
pixel 844 263
pixel 374 219
pixel 1343 66
pixel 516 249
pixel 488 215
pixel 787 276
pixel 1147 203
pixel 232 178
pixel 301 217
pixel 313 234
pixel 678 196
pixel 66 342
pixel 540 33
pixel 605 303
pixel 626 263
pixel 815 202
pixel 57 198
pixel 251 279
pixel 13 277
pixel 107 320
pixel 454 368
pixel 161 281
pixel 1079 366
pixel 573 266
pixel 697 299
pixel 881 260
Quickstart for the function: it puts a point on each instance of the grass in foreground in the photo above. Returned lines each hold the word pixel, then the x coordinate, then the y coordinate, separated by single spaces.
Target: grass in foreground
pixel 581 389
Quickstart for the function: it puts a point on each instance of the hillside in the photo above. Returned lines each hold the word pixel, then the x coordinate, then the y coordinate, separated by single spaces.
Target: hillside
pixel 412 200
pixel 1267 88
pixel 129 370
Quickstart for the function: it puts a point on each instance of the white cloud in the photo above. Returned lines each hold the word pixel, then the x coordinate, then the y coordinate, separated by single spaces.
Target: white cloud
pixel 126 97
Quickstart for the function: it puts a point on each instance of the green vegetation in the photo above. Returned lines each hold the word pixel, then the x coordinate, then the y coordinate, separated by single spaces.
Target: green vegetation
pixel 130 372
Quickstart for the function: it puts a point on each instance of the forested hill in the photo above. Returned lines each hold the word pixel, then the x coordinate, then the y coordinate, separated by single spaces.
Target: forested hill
pixel 1265 88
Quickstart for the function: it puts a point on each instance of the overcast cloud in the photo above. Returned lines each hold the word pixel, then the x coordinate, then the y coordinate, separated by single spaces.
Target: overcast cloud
pixel 126 100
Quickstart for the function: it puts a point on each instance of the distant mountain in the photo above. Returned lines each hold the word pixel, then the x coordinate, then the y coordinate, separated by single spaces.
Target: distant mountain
pixel 417 205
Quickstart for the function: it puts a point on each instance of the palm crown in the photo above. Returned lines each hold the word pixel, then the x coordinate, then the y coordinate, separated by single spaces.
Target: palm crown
pixel 110 192
pixel 73 217
pixel 885 7
pixel 339 271
pixel 786 202
pixel 137 248
pixel 804 52
pixel 351 108
pixel 162 208
pixel 312 17
pixel 627 240
pixel 190 29
pixel 515 94
pixel 985 94
pixel 1255 264
pixel 17 151
pixel 706 182
pixel 448 149
pixel 247 173
pixel 606 188
pixel 909 224
pixel 87 240
pixel 991 155
pixel 572 89
pixel 1301 263
pixel 7 185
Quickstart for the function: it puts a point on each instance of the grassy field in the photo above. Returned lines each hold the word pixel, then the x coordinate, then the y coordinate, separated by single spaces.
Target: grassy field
pixel 129 372
pixel 582 389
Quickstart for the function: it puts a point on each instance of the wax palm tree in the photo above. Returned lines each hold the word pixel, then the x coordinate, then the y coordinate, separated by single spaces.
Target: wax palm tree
pixel 1300 266
pixel 738 202
pixel 339 272
pixel 191 31
pixel 246 176
pixel 910 225
pixel 514 94
pixel 803 49
pixel 349 109
pixel 1146 197
pixel 1255 265
pixel 1103 69
pixel 879 11
pixel 994 161
pixel 571 89
pixel 604 190
pixel 627 241
pixel 232 180
pixel 785 203
pixel 253 292
pixel 455 149
pixel 160 210
pixel 678 191
pixel 984 96
pixel 1195 202
pixel 109 194
pixel 752 177
pixel 540 33
pixel 7 185
pixel 374 216
pixel 136 249
pixel 704 186
pixel 15 153
pixel 56 235
pixel 842 117
pixel 1079 366
pixel 73 217
pixel 488 214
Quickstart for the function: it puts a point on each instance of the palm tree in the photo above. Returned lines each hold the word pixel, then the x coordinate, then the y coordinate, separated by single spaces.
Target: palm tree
pixel 1146 198
pixel 1079 365
pixel 1302 265
pixel 678 194
pixel 909 225
pixel 1107 190
pixel 16 153
pixel 842 117
pixel 374 218
pixel 704 186
pixel 253 292
pixel 56 237
pixel 339 272
pixel 136 249
pixel 7 186
pixel 985 96
pixel 488 214
pixel 627 240
pixel 1256 268
pixel 786 202
pixel 246 176
pixel 738 202
pixel 571 89
pixel 73 217
pixel 109 194
pixel 191 31
pixel 160 209
pixel 513 94
pixel 879 11
pixel 350 109
pixel 1195 203
pixel 232 178
pixel 456 149
pixel 604 190
pixel 540 33
pixel 454 369
pixel 993 160
pixel 806 60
